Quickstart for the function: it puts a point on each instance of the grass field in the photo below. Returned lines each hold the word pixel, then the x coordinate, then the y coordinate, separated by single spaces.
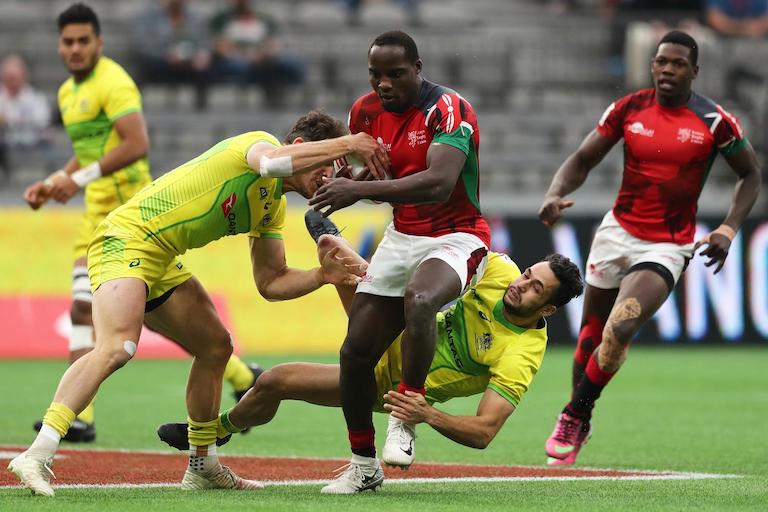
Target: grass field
pixel 696 409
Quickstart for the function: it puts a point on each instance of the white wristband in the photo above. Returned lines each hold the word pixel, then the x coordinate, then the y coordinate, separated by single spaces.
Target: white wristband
pixel 279 167
pixel 87 174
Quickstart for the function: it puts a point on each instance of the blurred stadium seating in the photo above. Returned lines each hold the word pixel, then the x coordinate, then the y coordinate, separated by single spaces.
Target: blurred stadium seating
pixel 539 82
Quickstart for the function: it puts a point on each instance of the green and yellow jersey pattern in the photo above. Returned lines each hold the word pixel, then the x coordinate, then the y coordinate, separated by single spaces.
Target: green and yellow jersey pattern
pixel 477 348
pixel 89 109
pixel 214 195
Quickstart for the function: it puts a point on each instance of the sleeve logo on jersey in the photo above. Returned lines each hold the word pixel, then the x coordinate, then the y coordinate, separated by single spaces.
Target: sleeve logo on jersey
pixel 228 204
pixel 686 134
pixel 638 129
pixel 417 137
pixel 483 341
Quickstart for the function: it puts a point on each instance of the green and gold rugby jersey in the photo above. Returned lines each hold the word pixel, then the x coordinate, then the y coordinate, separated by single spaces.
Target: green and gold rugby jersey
pixel 478 349
pixel 214 195
pixel 88 110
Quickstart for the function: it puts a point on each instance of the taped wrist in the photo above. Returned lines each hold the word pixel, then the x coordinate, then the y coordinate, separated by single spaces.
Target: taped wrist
pixel 87 174
pixel 279 167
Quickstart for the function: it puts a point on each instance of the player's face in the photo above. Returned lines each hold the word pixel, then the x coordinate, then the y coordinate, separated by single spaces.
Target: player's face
pixel 308 183
pixel 395 79
pixel 79 47
pixel 527 294
pixel 672 70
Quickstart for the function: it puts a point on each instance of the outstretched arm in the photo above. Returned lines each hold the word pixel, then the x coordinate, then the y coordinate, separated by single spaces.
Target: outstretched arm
pixel 572 174
pixel 474 431
pixel 718 242
pixel 297 158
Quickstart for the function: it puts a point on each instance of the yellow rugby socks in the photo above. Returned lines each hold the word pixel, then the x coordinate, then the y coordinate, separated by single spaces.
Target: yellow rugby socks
pixel 56 422
pixel 237 373
pixel 87 415
pixel 59 417
pixel 225 426
pixel 202 445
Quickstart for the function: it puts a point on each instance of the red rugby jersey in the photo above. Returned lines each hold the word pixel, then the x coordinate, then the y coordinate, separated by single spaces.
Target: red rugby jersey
pixel 668 153
pixel 439 115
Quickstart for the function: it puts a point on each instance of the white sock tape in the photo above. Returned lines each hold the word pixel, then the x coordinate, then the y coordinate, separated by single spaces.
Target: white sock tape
pixel 81 337
pixel 130 347
pixel 81 285
pixel 279 167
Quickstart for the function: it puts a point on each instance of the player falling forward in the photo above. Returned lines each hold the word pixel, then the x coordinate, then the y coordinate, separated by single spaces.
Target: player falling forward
pixel 490 342
pixel 671 137
pixel 235 187
pixel 102 113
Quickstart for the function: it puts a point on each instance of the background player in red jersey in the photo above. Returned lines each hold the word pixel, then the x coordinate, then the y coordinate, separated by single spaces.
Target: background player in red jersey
pixel 671 137
pixel 434 246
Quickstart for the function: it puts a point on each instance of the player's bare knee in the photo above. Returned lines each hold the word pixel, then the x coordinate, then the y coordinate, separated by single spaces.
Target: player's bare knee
pixel 356 357
pixel 325 243
pixel 272 382
pixel 219 350
pixel 117 355
pixel 420 304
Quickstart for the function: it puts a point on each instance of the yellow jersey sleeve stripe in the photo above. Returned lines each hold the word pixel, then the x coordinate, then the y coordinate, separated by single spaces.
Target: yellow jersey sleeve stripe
pixel 124 113
pixel 276 236
pixel 504 394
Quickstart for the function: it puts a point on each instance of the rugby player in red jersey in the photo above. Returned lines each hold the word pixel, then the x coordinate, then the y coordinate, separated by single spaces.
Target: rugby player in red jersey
pixel 671 137
pixel 436 244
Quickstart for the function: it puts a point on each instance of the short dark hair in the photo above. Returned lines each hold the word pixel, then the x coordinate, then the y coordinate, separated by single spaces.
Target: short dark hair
pixel 569 276
pixel 79 13
pixel 683 39
pixel 316 125
pixel 398 38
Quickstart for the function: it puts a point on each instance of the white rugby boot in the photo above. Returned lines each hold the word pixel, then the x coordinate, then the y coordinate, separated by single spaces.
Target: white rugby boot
pixel 399 449
pixel 361 474
pixel 34 472
pixel 220 477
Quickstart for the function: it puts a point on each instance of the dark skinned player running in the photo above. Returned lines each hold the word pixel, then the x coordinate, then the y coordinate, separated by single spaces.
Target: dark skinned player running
pixel 436 244
pixel 671 138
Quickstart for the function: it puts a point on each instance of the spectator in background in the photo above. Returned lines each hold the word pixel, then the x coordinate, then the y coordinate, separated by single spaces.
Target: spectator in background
pixel 172 47
pixel 637 26
pixel 246 50
pixel 739 18
pixel 745 24
pixel 24 112
pixel 411 8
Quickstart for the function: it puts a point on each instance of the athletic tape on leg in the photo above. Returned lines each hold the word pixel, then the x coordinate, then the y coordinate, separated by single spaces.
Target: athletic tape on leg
pixel 130 347
pixel 81 285
pixel 81 337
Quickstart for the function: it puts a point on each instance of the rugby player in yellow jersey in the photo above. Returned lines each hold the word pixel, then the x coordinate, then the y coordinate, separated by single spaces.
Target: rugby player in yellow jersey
pixel 101 110
pixel 235 187
pixel 490 342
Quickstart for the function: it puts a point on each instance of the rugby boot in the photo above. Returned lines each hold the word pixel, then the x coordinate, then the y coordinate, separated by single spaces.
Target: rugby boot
pixel 361 474
pixel 220 477
pixel 175 435
pixel 399 449
pixel 569 435
pixel 319 225
pixel 34 472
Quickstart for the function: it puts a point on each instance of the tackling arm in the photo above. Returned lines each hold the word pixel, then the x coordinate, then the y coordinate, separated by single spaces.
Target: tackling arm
pixel 474 431
pixel 301 157
pixel 277 281
pixel 433 185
